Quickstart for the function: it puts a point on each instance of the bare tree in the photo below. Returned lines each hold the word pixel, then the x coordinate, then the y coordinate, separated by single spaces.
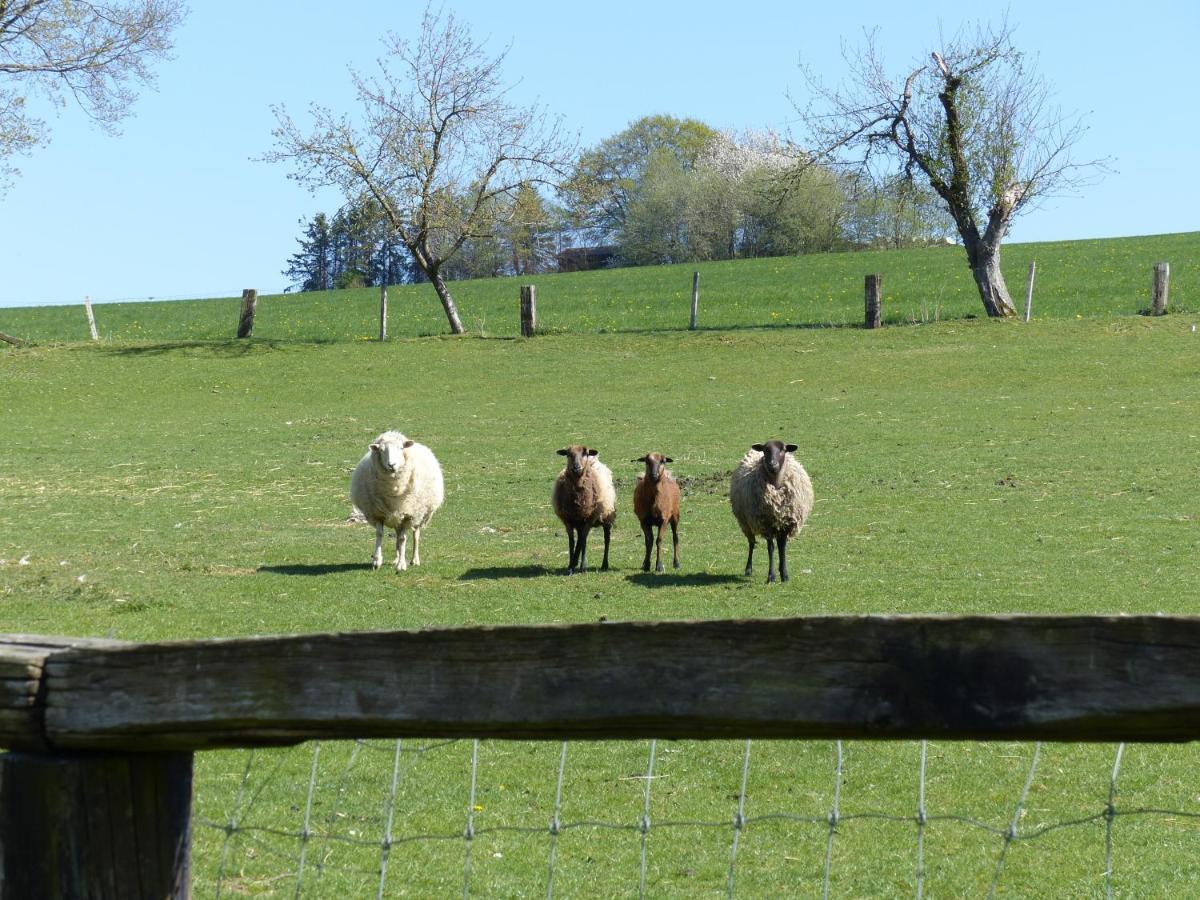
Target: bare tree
pixel 973 122
pixel 435 144
pixel 89 53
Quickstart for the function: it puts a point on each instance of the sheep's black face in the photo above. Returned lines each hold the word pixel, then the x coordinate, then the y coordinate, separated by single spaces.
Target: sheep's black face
pixel 774 456
pixel 578 459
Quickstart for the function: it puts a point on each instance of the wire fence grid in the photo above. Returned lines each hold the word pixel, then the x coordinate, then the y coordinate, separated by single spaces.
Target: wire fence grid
pixel 367 828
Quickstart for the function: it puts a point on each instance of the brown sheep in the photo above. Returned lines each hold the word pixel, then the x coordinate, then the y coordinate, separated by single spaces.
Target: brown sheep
pixel 656 503
pixel 583 498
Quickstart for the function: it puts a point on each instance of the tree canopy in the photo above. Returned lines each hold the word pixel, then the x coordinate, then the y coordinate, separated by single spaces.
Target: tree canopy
pixel 92 54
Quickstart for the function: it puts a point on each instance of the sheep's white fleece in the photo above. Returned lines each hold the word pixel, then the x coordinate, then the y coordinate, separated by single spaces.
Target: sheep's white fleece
pixel 770 509
pixel 408 497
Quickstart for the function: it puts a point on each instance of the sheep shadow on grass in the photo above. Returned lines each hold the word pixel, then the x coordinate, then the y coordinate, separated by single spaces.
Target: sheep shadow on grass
pixel 505 572
pixel 318 569
pixel 669 579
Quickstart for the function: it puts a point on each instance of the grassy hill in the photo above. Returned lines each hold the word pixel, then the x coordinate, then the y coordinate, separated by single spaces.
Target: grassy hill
pixel 1098 278
pixel 169 482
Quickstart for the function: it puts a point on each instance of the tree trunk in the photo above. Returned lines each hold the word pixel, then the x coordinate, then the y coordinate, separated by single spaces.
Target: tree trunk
pixel 443 292
pixel 984 260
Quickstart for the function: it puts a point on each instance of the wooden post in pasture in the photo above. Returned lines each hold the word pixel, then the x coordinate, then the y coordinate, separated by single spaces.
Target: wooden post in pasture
pixel 383 312
pixel 95 825
pixel 695 300
pixel 528 310
pixel 249 303
pixel 87 306
pixel 874 298
pixel 1029 289
pixel 1162 281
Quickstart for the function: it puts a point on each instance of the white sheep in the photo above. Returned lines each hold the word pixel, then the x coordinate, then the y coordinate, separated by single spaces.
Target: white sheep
pixel 583 498
pixel 772 496
pixel 397 484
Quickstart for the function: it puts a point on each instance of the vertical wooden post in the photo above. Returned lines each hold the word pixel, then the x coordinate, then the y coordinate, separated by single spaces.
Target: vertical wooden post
pixel 1162 282
pixel 87 305
pixel 1029 289
pixel 383 312
pixel 528 310
pixel 246 323
pixel 695 300
pixel 874 298
pixel 95 825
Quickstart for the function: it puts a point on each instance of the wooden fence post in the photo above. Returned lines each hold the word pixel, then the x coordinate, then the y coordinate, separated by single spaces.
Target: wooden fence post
pixel 383 312
pixel 1029 289
pixel 95 825
pixel 1162 281
pixel 87 306
pixel 874 298
pixel 528 310
pixel 695 300
pixel 246 323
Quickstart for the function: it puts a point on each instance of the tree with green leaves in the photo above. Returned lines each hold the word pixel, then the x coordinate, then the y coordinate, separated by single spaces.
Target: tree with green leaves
pixel 92 54
pixel 436 142
pixel 971 121
pixel 606 178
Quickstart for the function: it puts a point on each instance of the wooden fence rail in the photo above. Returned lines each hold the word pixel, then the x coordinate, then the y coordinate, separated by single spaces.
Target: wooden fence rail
pixel 108 729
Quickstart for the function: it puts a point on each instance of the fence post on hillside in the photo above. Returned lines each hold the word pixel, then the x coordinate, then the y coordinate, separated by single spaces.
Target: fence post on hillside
pixel 695 300
pixel 1162 281
pixel 87 306
pixel 874 301
pixel 95 824
pixel 1029 289
pixel 246 322
pixel 528 310
pixel 383 312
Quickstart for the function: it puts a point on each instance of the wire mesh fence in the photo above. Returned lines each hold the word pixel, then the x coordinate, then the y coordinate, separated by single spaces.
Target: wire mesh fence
pixel 688 818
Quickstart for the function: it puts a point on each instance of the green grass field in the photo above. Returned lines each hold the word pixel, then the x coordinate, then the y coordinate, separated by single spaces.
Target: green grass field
pixel 169 482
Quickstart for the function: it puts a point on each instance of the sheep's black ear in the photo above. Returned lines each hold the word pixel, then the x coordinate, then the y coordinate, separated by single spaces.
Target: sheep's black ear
pixel 639 459
pixel 758 447
pixel 592 452
pixel 408 444
pixel 375 448
pixel 563 452
pixel 791 448
pixel 668 459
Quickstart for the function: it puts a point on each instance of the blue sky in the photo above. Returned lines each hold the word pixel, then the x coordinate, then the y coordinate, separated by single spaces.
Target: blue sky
pixel 177 206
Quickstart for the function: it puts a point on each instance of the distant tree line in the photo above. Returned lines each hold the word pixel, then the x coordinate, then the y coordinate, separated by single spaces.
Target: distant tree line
pixel 663 190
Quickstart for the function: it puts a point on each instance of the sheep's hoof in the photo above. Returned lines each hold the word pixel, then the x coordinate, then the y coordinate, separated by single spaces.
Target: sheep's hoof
pixel 771 578
pixel 659 568
pixel 675 565
pixel 646 566
pixel 375 564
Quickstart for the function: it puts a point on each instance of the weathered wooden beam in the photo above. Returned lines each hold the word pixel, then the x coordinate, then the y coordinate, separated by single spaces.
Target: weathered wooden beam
pixel 22 662
pixel 1005 678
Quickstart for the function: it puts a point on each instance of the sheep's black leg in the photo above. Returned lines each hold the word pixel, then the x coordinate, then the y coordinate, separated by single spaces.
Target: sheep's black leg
pixel 581 546
pixel 570 549
pixel 783 572
pixel 770 559
pixel 658 566
pixel 648 534
pixel 675 544
pixel 750 556
pixel 607 536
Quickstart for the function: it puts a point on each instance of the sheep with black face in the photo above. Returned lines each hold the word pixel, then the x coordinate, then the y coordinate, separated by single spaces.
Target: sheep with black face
pixel 771 496
pixel 583 498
